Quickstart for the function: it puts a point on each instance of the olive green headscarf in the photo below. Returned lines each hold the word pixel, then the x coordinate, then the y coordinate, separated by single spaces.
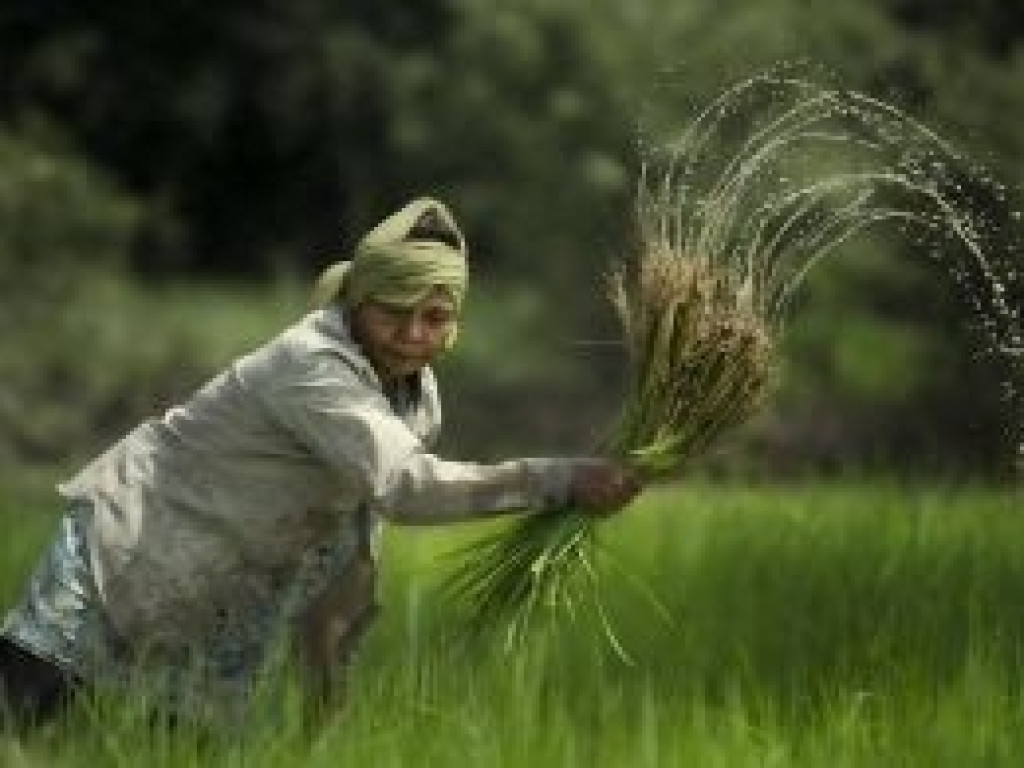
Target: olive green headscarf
pixel 400 260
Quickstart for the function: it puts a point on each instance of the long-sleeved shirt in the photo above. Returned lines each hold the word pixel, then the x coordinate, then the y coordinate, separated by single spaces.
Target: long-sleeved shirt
pixel 209 510
pixel 198 508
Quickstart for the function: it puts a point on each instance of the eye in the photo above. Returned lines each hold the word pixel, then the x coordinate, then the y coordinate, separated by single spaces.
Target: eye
pixel 438 316
pixel 394 313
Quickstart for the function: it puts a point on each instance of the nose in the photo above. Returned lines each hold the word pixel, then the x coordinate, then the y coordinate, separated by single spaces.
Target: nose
pixel 415 330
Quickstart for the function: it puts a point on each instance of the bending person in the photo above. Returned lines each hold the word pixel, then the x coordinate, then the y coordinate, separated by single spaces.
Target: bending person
pixel 246 518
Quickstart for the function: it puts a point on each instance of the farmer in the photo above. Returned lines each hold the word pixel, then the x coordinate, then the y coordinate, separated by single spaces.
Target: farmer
pixel 245 520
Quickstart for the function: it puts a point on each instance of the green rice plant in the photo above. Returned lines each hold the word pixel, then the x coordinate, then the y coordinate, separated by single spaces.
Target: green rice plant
pixel 701 358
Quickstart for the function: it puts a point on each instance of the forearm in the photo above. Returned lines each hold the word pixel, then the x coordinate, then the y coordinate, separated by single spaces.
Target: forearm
pixel 426 489
pixel 331 623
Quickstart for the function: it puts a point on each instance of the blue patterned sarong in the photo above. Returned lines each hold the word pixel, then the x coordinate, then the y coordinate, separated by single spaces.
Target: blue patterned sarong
pixel 60 618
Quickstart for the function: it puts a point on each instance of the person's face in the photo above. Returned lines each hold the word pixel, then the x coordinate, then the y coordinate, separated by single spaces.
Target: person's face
pixel 399 340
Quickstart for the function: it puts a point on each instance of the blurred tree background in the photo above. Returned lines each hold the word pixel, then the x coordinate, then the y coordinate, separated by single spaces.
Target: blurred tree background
pixel 173 174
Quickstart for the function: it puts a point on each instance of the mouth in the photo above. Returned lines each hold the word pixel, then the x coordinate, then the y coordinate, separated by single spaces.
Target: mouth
pixel 406 360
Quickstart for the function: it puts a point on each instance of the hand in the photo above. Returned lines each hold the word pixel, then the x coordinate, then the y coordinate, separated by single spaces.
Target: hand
pixel 603 487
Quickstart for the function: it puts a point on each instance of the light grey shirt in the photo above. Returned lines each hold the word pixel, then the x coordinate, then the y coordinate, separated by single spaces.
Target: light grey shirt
pixel 208 507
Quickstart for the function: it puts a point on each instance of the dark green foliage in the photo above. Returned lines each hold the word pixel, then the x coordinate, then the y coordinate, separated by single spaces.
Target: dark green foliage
pixel 62 225
pixel 273 134
pixel 251 124
pixel 260 138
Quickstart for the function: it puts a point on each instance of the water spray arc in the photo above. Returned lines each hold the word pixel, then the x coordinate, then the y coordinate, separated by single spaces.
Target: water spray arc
pixel 728 233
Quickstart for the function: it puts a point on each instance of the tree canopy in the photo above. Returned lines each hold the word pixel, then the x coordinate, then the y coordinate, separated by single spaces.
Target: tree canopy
pixel 257 140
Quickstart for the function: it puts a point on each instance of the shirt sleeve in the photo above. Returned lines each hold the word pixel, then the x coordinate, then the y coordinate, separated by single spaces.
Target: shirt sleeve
pixel 349 424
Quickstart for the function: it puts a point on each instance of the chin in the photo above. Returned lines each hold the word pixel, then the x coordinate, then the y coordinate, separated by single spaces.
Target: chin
pixel 408 367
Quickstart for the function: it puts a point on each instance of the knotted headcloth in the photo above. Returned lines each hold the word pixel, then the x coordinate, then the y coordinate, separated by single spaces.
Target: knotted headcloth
pixel 401 260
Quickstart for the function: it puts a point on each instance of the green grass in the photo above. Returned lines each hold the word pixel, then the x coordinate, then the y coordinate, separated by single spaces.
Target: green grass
pixel 835 624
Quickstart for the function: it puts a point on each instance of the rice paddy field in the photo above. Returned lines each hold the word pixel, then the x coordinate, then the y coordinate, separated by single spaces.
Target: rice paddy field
pixel 838 623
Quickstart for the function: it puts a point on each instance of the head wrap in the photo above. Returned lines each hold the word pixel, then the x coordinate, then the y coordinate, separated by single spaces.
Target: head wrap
pixel 401 260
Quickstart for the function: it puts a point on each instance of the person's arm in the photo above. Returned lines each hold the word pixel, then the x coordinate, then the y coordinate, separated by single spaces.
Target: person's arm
pixel 424 488
pixel 349 424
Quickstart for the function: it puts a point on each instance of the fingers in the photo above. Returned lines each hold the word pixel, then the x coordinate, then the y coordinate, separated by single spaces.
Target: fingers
pixel 605 487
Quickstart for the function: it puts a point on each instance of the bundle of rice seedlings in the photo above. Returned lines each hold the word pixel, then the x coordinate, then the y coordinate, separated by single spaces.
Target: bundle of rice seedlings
pixel 700 358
